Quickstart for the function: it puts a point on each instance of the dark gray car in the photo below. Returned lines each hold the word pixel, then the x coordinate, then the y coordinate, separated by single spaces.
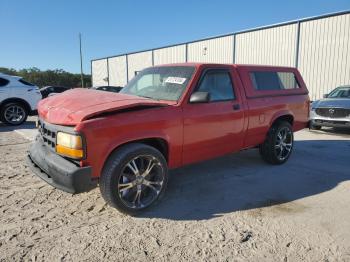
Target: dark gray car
pixel 333 110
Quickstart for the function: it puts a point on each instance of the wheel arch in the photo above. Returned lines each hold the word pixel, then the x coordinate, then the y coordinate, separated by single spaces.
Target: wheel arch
pixel 282 116
pixel 16 100
pixel 157 142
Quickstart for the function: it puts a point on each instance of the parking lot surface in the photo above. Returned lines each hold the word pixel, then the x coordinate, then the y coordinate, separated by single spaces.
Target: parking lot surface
pixel 235 208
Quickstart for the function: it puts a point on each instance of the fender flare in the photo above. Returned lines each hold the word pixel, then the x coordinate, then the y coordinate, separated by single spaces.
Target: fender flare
pixel 279 114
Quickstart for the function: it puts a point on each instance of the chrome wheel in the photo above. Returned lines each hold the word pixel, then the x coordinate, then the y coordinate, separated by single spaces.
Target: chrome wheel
pixel 284 143
pixel 141 181
pixel 14 114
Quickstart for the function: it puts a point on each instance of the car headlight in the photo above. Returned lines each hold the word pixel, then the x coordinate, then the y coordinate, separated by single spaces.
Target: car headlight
pixel 69 145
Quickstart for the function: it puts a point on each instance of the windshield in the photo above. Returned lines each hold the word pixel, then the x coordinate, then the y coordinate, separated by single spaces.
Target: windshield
pixel 340 92
pixel 160 83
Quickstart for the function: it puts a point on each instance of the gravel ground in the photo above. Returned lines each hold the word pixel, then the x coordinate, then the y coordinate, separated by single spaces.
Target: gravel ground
pixel 230 209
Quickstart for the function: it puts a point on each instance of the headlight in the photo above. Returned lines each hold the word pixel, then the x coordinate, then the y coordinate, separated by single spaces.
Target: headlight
pixel 69 145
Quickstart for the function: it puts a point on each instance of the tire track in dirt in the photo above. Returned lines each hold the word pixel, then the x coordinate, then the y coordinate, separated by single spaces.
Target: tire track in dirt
pixel 40 223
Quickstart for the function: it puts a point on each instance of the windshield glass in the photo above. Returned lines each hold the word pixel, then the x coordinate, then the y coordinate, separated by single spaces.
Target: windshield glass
pixel 340 92
pixel 160 83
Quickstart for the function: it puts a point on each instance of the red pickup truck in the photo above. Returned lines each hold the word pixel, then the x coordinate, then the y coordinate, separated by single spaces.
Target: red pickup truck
pixel 166 117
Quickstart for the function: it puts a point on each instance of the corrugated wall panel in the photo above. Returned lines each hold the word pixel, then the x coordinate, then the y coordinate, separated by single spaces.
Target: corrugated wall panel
pixel 324 54
pixel 137 62
pixel 174 54
pixel 273 46
pixel 99 72
pixel 217 50
pixel 117 71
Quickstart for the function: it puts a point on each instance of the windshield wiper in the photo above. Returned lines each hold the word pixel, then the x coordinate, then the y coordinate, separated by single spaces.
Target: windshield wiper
pixel 150 98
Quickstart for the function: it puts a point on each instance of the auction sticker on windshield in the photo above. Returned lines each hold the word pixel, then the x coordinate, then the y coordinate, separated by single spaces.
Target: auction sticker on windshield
pixel 175 80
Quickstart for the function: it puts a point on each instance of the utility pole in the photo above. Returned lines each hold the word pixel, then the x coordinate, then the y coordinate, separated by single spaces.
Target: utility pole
pixel 81 63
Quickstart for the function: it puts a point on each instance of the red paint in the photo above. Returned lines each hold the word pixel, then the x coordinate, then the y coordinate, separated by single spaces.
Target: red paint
pixel 193 132
pixel 74 106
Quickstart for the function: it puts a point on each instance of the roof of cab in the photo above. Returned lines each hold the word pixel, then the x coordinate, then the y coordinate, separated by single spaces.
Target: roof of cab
pixel 218 64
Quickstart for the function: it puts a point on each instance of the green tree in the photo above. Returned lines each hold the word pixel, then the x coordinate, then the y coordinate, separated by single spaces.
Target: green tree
pixel 57 77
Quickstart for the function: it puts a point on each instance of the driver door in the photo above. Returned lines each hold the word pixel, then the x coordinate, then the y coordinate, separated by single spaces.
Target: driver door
pixel 214 128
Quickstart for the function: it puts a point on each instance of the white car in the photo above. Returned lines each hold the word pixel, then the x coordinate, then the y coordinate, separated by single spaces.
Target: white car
pixel 18 99
pixel 333 110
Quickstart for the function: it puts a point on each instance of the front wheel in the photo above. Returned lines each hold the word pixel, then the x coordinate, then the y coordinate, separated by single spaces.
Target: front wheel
pixel 314 127
pixel 134 178
pixel 13 114
pixel 278 145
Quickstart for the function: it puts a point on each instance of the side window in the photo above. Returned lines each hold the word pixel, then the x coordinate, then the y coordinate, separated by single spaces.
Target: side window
pixel 288 80
pixel 25 82
pixel 3 81
pixel 265 80
pixel 218 84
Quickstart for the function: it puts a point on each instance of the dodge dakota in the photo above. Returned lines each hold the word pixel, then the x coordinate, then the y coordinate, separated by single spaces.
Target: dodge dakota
pixel 166 117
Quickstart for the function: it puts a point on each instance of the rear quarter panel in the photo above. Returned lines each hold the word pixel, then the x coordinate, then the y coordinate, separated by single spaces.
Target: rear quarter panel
pixel 30 94
pixel 268 105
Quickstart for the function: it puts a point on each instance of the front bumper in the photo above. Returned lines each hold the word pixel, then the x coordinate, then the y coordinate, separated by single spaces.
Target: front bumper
pixel 330 123
pixel 57 171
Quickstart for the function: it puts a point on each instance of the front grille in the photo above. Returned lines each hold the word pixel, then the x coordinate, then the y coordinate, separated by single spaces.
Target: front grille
pixel 47 133
pixel 333 112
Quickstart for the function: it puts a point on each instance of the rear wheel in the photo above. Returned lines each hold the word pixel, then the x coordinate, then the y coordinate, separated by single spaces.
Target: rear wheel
pixel 278 145
pixel 14 113
pixel 134 178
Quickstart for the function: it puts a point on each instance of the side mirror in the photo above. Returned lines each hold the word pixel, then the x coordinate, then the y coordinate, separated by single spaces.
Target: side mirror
pixel 325 95
pixel 200 97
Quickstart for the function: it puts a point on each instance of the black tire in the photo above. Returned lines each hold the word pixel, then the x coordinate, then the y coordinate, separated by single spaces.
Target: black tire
pixel 115 171
pixel 4 111
pixel 270 150
pixel 1 116
pixel 313 127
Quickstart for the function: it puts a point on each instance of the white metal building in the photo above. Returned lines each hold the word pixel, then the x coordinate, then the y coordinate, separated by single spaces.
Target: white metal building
pixel 318 46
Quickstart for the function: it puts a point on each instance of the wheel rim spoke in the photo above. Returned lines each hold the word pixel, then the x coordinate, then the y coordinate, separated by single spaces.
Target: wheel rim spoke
pixel 280 153
pixel 125 186
pixel 157 183
pixel 132 165
pixel 137 199
pixel 284 143
pixel 288 146
pixel 153 188
pixel 152 184
pixel 279 136
pixel 134 189
pixel 129 177
pixel 149 168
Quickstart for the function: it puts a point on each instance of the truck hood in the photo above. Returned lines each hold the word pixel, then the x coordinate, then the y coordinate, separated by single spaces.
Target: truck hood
pixel 332 102
pixel 74 106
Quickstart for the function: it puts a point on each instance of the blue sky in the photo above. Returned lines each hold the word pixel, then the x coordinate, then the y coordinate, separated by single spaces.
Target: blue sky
pixel 44 34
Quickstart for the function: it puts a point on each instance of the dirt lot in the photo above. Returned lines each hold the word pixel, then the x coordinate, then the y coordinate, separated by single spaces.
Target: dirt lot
pixel 234 208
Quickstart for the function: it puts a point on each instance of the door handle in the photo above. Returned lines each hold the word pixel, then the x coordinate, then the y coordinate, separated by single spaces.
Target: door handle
pixel 236 107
